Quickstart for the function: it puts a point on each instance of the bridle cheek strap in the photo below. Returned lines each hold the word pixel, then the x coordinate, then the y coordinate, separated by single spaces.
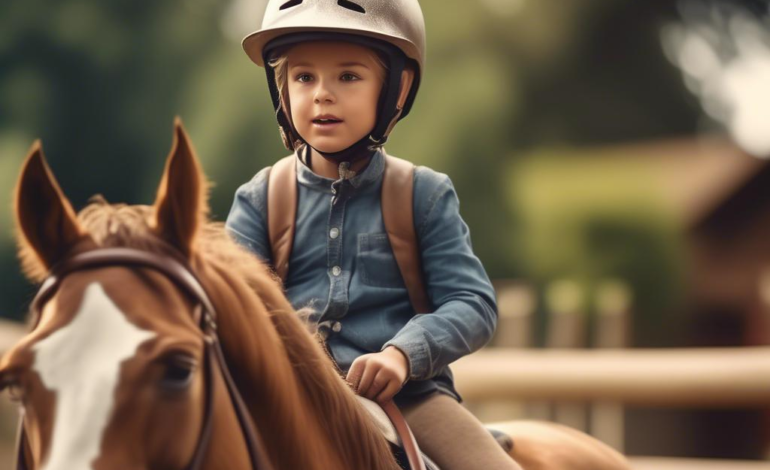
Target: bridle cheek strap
pixel 204 316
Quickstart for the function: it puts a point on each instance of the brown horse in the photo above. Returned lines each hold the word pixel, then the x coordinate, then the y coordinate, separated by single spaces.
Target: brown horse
pixel 117 373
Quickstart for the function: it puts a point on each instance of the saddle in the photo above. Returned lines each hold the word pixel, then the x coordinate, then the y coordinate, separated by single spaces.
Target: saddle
pixel 395 430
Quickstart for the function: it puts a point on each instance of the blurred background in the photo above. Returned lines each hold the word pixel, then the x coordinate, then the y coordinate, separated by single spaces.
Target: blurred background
pixel 606 152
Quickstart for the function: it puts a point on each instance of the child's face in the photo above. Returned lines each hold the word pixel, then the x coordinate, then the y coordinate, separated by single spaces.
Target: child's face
pixel 338 81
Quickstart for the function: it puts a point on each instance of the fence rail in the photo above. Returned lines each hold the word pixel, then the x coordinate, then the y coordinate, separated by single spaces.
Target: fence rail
pixel 716 378
pixel 655 463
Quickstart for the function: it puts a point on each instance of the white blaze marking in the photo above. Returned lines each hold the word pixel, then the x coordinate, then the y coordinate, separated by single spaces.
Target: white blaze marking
pixel 81 364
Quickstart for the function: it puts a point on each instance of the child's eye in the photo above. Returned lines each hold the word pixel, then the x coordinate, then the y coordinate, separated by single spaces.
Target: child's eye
pixel 304 77
pixel 348 77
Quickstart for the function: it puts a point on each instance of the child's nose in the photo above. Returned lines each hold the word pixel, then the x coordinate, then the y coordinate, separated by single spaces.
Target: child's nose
pixel 323 94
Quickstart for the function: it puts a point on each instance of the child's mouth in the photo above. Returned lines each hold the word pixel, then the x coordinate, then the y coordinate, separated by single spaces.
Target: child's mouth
pixel 326 122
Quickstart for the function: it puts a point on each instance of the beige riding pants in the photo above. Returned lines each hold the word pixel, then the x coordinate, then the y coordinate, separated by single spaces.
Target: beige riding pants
pixel 452 437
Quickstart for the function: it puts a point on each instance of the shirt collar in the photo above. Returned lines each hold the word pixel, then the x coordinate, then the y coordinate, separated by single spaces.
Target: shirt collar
pixel 370 174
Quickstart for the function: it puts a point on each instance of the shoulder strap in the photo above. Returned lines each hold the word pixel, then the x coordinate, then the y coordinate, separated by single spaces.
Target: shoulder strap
pixel 282 212
pixel 398 214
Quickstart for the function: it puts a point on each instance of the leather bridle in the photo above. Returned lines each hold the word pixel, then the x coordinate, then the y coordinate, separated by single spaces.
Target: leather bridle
pixel 204 316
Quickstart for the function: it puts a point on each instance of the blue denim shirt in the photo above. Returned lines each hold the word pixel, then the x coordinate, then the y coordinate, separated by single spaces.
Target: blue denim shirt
pixel 342 266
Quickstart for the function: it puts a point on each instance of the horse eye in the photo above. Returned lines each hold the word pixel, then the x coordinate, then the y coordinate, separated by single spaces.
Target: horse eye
pixel 178 372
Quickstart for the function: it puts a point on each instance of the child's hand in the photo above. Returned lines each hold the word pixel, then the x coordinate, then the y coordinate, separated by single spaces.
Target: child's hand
pixel 379 376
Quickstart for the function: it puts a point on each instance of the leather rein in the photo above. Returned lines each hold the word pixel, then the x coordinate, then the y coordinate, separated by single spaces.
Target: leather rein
pixel 204 316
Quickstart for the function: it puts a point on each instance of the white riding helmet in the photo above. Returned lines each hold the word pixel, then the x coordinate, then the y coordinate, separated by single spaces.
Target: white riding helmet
pixel 396 27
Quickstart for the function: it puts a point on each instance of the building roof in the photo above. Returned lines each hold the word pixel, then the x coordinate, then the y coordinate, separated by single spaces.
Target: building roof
pixel 698 176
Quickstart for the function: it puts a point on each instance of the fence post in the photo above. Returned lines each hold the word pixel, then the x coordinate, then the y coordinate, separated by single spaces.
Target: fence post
pixel 515 306
pixel 567 329
pixel 613 317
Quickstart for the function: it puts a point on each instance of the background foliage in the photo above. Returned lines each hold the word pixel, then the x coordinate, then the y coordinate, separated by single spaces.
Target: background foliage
pixel 507 82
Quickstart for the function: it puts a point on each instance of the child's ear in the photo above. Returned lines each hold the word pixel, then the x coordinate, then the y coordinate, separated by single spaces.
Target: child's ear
pixel 407 77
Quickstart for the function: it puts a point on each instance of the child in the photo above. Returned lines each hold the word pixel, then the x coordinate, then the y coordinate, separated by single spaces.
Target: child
pixel 341 74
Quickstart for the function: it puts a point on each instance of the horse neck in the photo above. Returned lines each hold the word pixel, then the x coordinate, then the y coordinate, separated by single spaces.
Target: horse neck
pixel 264 377
pixel 308 416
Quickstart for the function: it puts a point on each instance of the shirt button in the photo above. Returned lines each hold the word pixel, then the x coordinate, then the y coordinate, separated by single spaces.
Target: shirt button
pixel 336 270
pixel 334 233
pixel 337 327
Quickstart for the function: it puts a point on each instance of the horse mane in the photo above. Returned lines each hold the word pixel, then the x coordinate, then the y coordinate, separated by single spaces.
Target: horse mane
pixel 312 418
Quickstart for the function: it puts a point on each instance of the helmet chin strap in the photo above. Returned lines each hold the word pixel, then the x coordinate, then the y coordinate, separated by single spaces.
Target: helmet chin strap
pixel 360 150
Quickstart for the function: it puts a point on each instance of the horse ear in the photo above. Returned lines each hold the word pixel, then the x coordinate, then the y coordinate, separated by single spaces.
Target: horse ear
pixel 47 227
pixel 180 206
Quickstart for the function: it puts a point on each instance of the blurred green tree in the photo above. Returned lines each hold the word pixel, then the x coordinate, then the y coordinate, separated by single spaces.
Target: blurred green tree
pixel 100 83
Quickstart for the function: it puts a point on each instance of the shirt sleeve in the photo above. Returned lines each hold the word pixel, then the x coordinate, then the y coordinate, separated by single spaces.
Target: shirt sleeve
pixel 246 222
pixel 466 312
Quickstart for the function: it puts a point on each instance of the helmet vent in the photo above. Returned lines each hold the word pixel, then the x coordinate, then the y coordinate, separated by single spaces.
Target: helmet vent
pixel 289 4
pixel 351 6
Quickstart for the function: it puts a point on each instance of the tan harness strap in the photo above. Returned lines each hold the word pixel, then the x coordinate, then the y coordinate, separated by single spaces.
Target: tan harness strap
pixel 282 212
pixel 398 214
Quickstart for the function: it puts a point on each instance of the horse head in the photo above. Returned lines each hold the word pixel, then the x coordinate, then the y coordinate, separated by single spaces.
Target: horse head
pixel 113 374
pixel 123 368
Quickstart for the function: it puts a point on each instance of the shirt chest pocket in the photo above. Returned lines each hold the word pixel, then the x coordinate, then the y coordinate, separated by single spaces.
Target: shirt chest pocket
pixel 376 262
